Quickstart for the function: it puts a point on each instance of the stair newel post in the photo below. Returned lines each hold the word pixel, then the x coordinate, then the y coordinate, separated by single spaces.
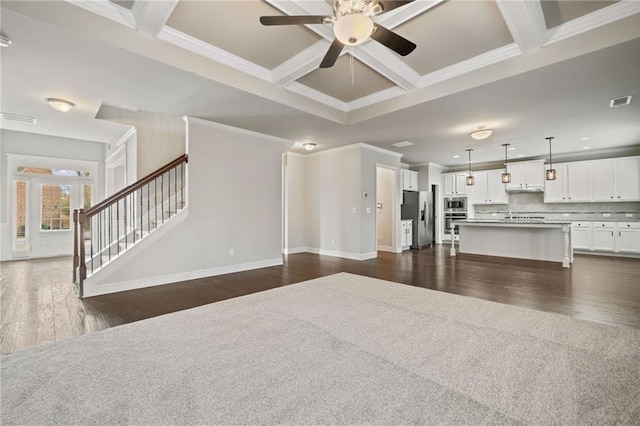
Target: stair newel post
pixel 76 235
pixel 82 217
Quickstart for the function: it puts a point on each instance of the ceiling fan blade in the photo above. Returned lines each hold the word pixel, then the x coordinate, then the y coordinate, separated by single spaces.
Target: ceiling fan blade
pixel 393 41
pixel 388 5
pixel 291 20
pixel 332 54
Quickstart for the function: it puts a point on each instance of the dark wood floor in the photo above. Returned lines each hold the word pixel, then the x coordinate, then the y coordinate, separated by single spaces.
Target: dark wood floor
pixel 40 305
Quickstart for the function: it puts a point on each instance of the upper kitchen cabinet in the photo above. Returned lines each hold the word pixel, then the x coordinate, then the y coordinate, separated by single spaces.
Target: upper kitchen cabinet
pixel 488 188
pixel 526 175
pixel 616 179
pixel 454 184
pixel 571 185
pixel 409 180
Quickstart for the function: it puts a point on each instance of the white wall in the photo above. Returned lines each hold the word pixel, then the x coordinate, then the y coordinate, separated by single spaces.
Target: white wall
pixel 23 143
pixel 331 184
pixel 234 203
pixel 296 220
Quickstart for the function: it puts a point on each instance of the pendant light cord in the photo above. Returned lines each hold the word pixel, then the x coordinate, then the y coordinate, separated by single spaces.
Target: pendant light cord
pixel 550 161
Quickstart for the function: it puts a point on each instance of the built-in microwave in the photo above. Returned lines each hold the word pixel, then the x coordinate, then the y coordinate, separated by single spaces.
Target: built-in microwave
pixel 455 204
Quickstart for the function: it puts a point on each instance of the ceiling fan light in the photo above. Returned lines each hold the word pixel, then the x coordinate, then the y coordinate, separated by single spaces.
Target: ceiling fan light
pixel 353 29
pixel 61 105
pixel 481 134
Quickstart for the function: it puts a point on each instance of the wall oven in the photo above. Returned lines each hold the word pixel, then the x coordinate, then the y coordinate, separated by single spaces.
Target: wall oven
pixel 455 204
pixel 449 218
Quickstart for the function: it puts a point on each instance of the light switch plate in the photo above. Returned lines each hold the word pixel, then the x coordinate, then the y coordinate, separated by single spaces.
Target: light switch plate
pixel 368 210
pixel 354 210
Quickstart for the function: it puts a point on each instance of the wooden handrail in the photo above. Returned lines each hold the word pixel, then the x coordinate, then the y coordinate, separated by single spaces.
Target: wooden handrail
pixel 93 210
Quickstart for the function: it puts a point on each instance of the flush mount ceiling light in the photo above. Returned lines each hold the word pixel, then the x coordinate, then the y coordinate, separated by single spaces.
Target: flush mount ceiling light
pixel 470 179
pixel 61 105
pixel 506 176
pixel 4 41
pixel 309 146
pixel 551 172
pixel 481 133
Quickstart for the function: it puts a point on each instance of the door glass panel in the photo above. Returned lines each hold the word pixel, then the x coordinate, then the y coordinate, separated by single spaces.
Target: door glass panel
pixel 21 215
pixel 55 204
pixel 52 172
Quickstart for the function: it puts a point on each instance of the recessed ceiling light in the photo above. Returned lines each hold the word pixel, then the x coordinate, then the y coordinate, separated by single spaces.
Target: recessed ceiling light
pixel 584 139
pixel 402 144
pixel 586 147
pixel 456 156
pixel 4 41
pixel 520 155
pixel 61 105
pixel 309 146
pixel 512 149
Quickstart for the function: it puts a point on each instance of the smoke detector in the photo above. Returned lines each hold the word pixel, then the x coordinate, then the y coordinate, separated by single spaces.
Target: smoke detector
pixel 625 100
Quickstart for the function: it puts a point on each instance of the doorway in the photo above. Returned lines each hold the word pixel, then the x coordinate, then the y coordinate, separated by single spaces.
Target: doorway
pixel 386 214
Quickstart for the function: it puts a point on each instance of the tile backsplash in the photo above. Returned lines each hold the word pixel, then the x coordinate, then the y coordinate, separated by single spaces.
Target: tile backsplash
pixel 532 204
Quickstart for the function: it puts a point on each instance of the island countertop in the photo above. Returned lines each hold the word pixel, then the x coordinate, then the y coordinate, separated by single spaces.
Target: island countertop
pixel 537 239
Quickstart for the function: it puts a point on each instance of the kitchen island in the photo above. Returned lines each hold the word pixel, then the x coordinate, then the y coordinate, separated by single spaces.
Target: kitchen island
pixel 535 240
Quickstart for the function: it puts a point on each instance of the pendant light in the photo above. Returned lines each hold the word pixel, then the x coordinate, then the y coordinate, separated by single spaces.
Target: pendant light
pixel 470 179
pixel 506 176
pixel 551 172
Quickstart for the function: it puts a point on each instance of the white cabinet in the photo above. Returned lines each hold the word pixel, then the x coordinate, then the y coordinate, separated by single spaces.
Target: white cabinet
pixel 526 175
pixel 604 236
pixel 581 235
pixel 406 234
pixel 578 182
pixel 555 191
pixel 454 184
pixel 616 179
pixel 628 237
pixel 488 188
pixel 628 178
pixel 409 180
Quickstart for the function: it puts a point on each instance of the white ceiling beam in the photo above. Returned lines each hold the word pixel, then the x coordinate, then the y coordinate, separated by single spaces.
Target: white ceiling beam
pixel 401 15
pixel 107 9
pixel 387 63
pixel 152 15
pixel 598 18
pixel 319 8
pixel 301 64
pixel 525 21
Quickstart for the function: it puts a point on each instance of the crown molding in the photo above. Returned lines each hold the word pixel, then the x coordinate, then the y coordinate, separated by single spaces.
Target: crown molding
pixel 207 50
pixel 108 10
pixel 374 98
pixel 316 95
pixel 472 64
pixel 604 16
pixel 380 150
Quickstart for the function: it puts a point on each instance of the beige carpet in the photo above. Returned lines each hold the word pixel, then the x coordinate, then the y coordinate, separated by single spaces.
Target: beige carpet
pixel 340 349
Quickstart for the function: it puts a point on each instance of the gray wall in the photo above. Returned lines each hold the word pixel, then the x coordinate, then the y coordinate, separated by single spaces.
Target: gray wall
pixel 385 189
pixel 235 202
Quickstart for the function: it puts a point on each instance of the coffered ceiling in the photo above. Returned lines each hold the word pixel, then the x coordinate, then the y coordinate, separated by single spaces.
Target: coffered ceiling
pixel 462 46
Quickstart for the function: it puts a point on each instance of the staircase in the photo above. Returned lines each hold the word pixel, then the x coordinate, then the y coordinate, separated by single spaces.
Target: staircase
pixel 107 230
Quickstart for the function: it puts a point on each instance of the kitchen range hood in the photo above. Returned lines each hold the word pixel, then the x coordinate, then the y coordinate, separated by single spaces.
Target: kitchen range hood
pixel 526 189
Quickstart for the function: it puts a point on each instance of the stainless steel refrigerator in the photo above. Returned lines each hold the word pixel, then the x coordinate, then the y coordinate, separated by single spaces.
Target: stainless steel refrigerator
pixel 419 207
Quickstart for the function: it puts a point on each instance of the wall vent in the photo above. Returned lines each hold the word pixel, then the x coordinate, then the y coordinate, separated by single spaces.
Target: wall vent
pixel 625 100
pixel 402 144
pixel 17 117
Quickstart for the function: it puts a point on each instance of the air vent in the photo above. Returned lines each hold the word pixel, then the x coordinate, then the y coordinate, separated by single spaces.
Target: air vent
pixel 625 100
pixel 402 144
pixel 16 117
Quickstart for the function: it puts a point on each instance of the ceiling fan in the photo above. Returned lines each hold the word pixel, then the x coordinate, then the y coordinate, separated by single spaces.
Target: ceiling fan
pixel 352 25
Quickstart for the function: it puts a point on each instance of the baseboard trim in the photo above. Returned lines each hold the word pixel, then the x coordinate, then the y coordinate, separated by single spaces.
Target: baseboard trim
pixel 607 253
pixel 296 250
pixel 342 254
pixel 98 289
pixel 386 248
